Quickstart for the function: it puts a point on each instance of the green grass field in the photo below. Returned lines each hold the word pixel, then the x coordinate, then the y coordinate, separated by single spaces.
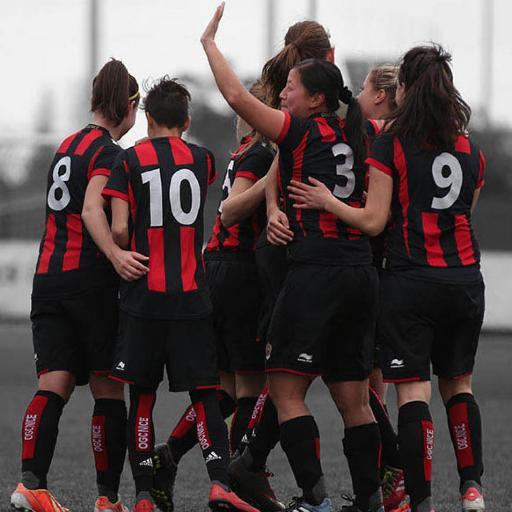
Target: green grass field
pixel 72 476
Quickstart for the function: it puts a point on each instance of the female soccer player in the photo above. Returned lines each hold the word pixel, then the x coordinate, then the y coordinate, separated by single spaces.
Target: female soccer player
pixel 235 292
pixel 331 283
pixel 377 101
pixel 159 188
pixel 305 39
pixel 429 172
pixel 74 304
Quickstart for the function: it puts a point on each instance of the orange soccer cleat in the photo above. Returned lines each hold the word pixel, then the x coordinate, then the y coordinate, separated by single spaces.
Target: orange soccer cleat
pixel 103 504
pixel 34 500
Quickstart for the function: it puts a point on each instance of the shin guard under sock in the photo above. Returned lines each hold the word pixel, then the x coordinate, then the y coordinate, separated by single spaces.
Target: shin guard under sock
pixel 108 438
pixel 362 448
pixel 240 421
pixel 39 436
pixel 388 437
pixel 212 433
pixel 416 443
pixel 141 437
pixel 300 440
pixel 184 436
pixel 465 426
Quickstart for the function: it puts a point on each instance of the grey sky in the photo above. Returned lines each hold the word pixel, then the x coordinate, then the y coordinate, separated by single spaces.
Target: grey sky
pixel 44 50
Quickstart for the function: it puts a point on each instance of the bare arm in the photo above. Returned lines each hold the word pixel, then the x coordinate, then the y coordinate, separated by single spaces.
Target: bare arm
pixel 243 200
pixel 120 216
pixel 278 227
pixel 93 215
pixel 268 121
pixel 371 219
pixel 476 196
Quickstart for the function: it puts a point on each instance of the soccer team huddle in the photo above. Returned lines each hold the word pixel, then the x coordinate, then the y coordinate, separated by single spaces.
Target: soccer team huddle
pixel 342 248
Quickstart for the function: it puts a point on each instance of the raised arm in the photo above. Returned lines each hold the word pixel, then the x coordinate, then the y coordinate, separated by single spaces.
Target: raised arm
pixel 371 219
pixel 268 121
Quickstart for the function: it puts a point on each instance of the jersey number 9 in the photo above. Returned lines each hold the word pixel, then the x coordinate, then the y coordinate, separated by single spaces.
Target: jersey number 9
pixel 453 180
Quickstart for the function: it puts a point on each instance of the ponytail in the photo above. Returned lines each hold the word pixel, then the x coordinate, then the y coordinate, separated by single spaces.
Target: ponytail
pixel 303 40
pixel 112 90
pixel 320 76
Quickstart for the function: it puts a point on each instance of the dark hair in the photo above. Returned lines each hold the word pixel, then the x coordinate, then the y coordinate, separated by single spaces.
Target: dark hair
pixel 304 40
pixel 167 102
pixel 320 76
pixel 112 90
pixel 432 111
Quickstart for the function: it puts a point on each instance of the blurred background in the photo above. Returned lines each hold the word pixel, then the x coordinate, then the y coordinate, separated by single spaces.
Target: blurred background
pixel 51 51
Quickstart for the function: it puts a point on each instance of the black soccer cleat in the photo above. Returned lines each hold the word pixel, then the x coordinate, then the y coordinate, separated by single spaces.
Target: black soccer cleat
pixel 253 486
pixel 375 505
pixel 164 477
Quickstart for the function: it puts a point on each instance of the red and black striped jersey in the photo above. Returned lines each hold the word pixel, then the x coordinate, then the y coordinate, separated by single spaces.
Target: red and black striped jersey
pixel 69 262
pixel 431 207
pixel 318 147
pixel 253 165
pixel 164 180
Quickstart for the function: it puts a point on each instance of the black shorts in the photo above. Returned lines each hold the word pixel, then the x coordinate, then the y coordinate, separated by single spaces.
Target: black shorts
pixel 422 322
pixel 76 334
pixel 324 322
pixel 184 347
pixel 235 294
pixel 271 261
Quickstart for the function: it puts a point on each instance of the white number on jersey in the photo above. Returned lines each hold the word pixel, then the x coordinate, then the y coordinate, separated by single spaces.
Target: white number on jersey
pixel 226 185
pixel 155 196
pixel 453 180
pixel 345 169
pixel 59 183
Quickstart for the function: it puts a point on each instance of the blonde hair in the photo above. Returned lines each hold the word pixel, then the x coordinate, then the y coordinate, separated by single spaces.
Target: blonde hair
pixel 385 77
pixel 243 129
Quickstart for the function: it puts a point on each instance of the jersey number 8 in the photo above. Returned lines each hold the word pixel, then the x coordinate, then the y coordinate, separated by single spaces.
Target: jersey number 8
pixel 452 180
pixel 155 196
pixel 57 201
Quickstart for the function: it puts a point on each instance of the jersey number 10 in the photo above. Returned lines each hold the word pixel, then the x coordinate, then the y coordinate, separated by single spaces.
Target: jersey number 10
pixel 156 201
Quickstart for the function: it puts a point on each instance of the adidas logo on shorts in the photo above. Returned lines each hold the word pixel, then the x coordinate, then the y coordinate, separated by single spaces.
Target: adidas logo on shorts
pixel 397 363
pixel 147 462
pixel 305 358
pixel 211 457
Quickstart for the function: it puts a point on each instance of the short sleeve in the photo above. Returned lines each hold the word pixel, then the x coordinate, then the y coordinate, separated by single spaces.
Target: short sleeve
pixel 117 184
pixel 480 182
pixel 210 162
pixel 255 164
pixel 103 161
pixel 292 133
pixel 382 155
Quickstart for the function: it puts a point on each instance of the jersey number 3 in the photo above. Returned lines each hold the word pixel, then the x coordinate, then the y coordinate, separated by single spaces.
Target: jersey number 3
pixel 156 201
pixel 344 169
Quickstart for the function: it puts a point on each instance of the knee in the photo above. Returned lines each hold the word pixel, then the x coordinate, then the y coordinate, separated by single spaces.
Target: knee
pixel 103 387
pixel 448 388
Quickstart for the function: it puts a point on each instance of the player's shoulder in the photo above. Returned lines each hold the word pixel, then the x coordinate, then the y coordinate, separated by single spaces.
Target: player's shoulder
pixel 198 150
pixel 261 150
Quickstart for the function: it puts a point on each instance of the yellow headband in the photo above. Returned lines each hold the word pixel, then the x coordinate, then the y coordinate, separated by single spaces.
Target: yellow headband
pixel 134 96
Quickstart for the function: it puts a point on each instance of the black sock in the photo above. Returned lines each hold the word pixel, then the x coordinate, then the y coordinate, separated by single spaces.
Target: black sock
pixel 388 437
pixel 416 443
pixel 301 443
pixel 141 437
pixel 362 447
pixel 184 436
pixel 212 433
pixel 240 421
pixel 39 436
pixel 265 436
pixel 465 426
pixel 253 421
pixel 108 438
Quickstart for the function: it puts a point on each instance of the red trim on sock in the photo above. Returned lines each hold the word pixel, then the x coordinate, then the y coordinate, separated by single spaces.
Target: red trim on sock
pixel 30 428
pixel 428 448
pixel 185 424
pixel 461 434
pixel 143 420
pixel 99 443
pixel 203 436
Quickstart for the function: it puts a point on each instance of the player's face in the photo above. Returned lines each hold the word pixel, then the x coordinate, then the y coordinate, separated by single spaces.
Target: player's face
pixel 294 97
pixel 366 97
